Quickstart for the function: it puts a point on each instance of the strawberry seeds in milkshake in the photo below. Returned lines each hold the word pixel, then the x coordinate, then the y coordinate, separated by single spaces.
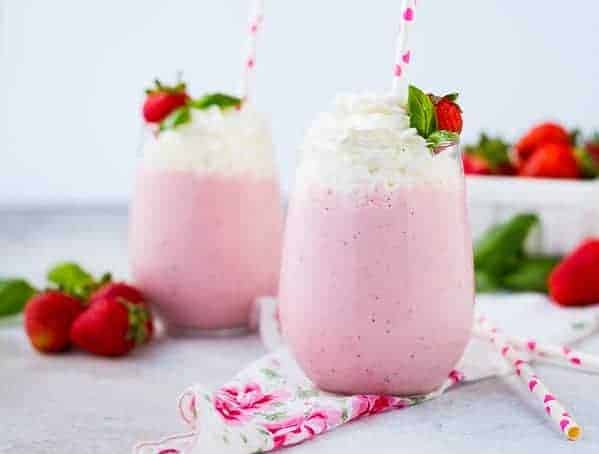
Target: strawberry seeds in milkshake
pixel 206 220
pixel 377 282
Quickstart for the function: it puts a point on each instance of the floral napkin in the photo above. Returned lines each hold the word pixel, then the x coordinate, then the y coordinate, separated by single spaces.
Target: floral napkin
pixel 272 404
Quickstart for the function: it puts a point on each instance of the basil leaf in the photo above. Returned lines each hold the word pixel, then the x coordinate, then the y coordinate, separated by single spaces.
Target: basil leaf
pixel 72 279
pixel 422 112
pixel 14 294
pixel 486 282
pixel 177 117
pixel 501 248
pixel 440 137
pixel 530 275
pixel 216 99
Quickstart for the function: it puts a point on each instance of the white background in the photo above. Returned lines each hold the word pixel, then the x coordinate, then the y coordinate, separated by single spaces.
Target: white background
pixel 72 73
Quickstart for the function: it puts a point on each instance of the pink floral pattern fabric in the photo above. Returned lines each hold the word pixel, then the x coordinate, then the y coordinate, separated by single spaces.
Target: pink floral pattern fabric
pixel 268 406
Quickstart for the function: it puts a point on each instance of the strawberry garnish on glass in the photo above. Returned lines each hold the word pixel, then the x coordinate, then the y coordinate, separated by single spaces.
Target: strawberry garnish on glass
pixel 161 100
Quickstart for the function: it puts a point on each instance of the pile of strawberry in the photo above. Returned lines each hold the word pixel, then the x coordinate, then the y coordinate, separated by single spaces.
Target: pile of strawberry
pixel 99 316
pixel 546 151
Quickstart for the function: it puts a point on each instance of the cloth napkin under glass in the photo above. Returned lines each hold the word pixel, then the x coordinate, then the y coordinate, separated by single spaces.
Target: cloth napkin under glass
pixel 272 404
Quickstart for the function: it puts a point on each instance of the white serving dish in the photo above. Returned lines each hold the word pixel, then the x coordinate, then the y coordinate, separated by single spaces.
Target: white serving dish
pixel 569 210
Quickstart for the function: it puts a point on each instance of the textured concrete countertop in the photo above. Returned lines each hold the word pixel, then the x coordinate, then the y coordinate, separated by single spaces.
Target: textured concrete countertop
pixel 75 403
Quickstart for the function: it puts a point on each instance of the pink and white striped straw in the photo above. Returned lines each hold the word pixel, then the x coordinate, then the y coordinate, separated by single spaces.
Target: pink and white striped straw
pixel 563 355
pixel 255 22
pixel 553 407
pixel 403 53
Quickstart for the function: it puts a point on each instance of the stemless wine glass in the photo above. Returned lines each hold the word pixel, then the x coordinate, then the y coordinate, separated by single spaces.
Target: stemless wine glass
pixel 206 221
pixel 377 282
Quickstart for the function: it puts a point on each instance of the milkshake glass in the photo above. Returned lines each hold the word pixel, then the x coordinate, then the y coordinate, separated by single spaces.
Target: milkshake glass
pixel 206 220
pixel 377 283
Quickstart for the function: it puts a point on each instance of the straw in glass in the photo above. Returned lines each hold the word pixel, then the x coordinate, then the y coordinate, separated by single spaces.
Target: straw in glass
pixel 255 22
pixel 403 53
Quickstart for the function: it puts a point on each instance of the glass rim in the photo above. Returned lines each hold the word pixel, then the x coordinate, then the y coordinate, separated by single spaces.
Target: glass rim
pixel 446 144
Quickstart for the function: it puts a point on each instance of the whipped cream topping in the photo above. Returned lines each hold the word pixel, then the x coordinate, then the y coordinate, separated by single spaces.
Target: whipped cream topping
pixel 226 142
pixel 367 140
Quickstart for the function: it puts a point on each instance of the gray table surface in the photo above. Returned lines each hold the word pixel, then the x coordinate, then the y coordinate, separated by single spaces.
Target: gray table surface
pixel 75 403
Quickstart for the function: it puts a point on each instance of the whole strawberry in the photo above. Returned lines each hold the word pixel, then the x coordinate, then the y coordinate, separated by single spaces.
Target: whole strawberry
pixel 448 113
pixel 126 292
pixel 575 281
pixel 48 320
pixel 161 100
pixel 475 165
pixel 552 160
pixel 543 134
pixel 118 289
pixel 111 326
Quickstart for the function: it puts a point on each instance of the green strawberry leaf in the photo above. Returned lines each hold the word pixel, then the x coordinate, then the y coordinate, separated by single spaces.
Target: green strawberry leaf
pixel 216 99
pixel 74 280
pixel 438 138
pixel 176 118
pixel 530 275
pixel 138 322
pixel 453 97
pixel 159 87
pixel 494 150
pixel 587 165
pixel 14 294
pixel 575 136
pixel 422 112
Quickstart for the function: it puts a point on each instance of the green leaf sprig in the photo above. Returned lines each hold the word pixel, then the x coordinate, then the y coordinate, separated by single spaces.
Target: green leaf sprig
pixel 182 115
pixel 70 278
pixel 501 262
pixel 421 108
pixel 422 112
pixel 67 277
pixel 14 294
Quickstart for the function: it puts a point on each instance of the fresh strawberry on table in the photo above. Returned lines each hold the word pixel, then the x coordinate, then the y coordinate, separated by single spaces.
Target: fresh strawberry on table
pixel 126 292
pixel 48 320
pixel 543 134
pixel 118 289
pixel 553 160
pixel 111 326
pixel 575 281
pixel 161 100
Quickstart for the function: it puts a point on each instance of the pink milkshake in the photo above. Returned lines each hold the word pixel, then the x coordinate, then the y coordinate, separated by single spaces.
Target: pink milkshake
pixel 377 281
pixel 206 220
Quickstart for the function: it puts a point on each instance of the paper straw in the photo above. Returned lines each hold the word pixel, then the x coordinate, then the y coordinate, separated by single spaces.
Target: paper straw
pixel 563 355
pixel 403 53
pixel 255 22
pixel 553 408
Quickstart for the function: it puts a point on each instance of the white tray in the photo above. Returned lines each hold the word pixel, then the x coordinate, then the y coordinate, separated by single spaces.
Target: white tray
pixel 569 210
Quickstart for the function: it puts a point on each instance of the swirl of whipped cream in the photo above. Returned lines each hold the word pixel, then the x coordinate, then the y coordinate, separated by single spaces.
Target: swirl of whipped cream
pixel 367 140
pixel 228 142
